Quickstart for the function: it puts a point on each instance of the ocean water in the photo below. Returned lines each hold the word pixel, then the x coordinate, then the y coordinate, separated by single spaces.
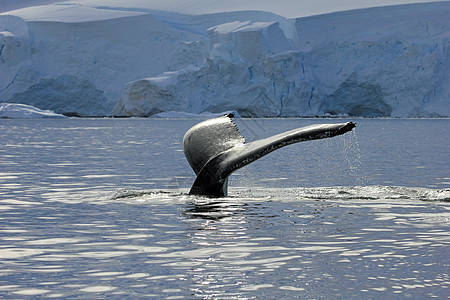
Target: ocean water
pixel 98 208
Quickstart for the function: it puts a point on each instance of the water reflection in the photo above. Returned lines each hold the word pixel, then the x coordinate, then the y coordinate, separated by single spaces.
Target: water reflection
pixel 220 233
pixel 61 236
pixel 166 245
pixel 213 210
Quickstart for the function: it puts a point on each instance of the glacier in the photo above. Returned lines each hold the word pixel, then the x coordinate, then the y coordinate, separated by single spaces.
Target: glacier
pixel 102 58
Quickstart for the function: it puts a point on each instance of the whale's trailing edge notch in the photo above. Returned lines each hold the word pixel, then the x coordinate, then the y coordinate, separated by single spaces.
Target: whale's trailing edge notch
pixel 214 148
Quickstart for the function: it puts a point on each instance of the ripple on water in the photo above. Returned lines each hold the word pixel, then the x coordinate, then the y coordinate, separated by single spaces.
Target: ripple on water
pixel 273 242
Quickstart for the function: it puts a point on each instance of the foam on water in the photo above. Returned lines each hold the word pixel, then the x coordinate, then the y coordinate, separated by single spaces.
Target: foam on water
pixel 362 193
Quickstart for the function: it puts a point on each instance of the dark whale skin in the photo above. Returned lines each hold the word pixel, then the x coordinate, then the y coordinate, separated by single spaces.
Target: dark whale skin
pixel 214 148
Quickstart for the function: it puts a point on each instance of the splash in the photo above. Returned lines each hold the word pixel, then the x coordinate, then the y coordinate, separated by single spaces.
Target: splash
pixel 352 156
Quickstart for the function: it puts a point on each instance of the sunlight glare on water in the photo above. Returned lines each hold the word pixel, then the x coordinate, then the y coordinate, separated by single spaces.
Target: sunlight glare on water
pixel 99 209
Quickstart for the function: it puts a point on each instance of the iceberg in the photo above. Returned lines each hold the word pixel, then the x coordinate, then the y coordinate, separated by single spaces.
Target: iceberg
pixel 22 111
pixel 141 58
pixel 185 115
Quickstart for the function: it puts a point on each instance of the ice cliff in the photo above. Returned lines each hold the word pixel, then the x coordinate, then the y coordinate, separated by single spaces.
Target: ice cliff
pixel 382 61
pixel 79 65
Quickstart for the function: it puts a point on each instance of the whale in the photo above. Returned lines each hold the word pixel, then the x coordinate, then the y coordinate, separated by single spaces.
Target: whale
pixel 215 149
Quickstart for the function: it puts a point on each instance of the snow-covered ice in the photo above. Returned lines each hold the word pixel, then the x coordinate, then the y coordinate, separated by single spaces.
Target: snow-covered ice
pixel 328 66
pixel 22 111
pixel 291 58
pixel 81 68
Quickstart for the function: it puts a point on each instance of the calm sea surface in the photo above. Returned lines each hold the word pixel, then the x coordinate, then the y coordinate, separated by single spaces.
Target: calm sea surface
pixel 97 208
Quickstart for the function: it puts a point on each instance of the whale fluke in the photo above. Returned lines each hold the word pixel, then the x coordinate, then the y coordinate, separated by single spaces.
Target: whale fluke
pixel 214 148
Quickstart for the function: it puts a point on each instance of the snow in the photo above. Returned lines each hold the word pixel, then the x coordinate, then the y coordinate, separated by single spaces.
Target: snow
pixel 395 67
pixel 22 111
pixel 260 58
pixel 240 26
pixel 285 8
pixel 8 5
pixel 69 13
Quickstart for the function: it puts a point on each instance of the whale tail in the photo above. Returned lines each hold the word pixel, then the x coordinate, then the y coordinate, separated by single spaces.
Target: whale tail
pixel 215 149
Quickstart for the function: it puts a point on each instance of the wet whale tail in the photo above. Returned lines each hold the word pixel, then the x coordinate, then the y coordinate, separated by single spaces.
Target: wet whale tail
pixel 214 148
